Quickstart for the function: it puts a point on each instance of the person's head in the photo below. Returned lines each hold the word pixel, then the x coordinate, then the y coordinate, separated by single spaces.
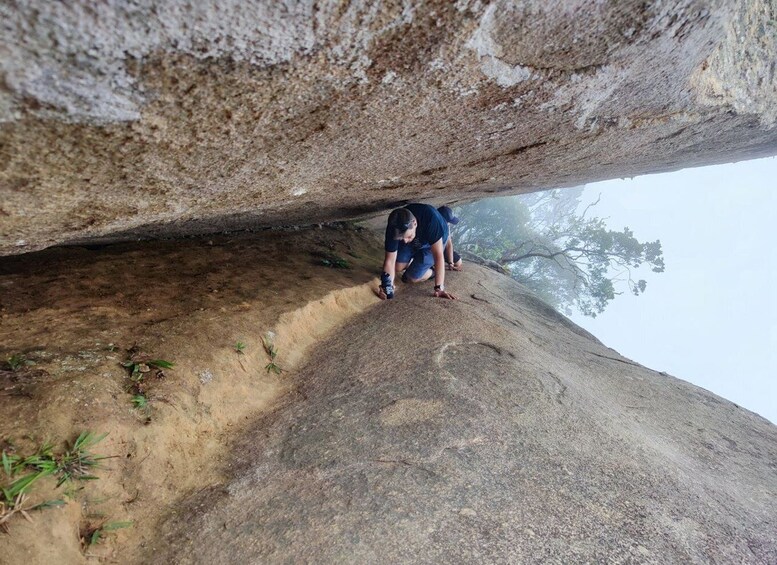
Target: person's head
pixel 403 224
pixel 447 215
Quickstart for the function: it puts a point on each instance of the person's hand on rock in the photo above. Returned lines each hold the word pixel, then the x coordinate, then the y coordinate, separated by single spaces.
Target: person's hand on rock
pixel 443 294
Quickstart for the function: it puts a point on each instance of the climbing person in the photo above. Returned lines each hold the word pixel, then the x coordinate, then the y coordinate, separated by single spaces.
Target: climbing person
pixel 452 258
pixel 416 236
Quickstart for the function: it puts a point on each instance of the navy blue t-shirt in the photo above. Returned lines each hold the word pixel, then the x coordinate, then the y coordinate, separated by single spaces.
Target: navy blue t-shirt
pixel 431 227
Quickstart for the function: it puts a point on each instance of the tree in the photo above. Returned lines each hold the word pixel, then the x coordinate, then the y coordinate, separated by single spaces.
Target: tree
pixel 548 244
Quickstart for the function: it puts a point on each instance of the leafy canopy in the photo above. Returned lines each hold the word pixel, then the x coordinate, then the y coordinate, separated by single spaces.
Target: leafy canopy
pixel 548 243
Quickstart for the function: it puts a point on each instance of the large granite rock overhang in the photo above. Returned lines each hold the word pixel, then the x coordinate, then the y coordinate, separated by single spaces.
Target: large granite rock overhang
pixel 132 119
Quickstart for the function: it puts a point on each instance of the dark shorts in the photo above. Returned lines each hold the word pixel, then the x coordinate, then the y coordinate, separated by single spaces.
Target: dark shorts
pixel 421 257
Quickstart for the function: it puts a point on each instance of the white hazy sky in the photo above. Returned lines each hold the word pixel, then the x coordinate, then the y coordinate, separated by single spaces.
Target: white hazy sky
pixel 711 317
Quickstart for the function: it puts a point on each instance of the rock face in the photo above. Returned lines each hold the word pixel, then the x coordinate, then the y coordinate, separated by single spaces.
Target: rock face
pixel 141 118
pixel 489 429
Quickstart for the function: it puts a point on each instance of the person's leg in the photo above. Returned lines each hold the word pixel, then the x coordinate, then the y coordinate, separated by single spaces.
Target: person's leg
pixel 421 267
pixel 457 259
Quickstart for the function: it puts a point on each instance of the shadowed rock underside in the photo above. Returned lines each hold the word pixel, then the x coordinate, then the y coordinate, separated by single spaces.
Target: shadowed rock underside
pixel 122 120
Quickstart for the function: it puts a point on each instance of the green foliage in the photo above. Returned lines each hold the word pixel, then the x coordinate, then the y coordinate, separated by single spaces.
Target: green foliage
pixel 75 463
pixel 21 473
pixel 49 504
pixel 139 368
pixel 269 347
pixel 41 464
pixel 139 387
pixel 335 262
pixel 17 361
pixel 240 347
pixel 140 401
pixel 9 461
pixel 567 258
pixel 93 535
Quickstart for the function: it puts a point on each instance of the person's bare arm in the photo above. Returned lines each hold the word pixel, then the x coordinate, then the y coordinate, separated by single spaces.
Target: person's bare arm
pixel 389 266
pixel 439 271
pixel 390 263
pixel 450 264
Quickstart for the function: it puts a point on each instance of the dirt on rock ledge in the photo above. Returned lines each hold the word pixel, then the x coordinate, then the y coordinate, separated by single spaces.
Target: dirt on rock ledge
pixel 421 430
pixel 70 316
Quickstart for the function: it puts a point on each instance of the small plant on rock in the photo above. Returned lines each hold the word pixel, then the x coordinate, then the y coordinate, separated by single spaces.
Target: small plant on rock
pixel 240 350
pixel 335 262
pixel 17 361
pixel 76 463
pixel 93 534
pixel 269 347
pixel 140 401
pixel 139 368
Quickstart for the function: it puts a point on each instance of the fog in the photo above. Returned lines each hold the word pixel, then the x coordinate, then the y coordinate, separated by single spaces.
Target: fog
pixel 711 317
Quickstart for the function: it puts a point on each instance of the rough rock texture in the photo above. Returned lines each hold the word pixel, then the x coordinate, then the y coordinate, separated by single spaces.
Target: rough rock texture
pixel 486 430
pixel 72 315
pixel 140 117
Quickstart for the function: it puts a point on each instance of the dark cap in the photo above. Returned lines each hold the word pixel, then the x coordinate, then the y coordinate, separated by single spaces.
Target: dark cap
pixel 447 213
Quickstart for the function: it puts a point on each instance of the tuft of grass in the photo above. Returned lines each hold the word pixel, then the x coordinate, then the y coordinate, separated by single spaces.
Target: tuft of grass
pixel 41 464
pixel 140 401
pixel 93 535
pixel 240 350
pixel 17 361
pixel 272 351
pixel 335 262
pixel 77 462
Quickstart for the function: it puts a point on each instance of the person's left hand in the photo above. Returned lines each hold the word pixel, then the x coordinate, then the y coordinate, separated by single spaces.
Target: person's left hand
pixel 443 294
pixel 452 267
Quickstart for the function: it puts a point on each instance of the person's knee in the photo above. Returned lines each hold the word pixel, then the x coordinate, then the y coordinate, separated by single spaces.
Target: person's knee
pixel 422 278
